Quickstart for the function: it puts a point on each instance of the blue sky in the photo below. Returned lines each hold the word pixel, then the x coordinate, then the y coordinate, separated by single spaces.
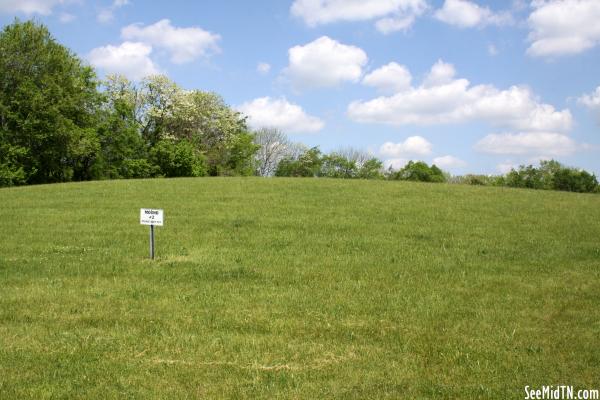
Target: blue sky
pixel 472 85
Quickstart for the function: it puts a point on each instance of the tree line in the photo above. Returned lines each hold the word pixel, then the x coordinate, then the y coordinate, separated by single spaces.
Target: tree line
pixel 60 123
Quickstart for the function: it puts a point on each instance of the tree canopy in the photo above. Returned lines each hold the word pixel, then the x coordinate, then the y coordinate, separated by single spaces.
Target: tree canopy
pixel 48 100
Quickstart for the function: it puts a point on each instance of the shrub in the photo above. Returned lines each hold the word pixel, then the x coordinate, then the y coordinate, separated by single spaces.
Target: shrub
pixel 420 172
pixel 177 159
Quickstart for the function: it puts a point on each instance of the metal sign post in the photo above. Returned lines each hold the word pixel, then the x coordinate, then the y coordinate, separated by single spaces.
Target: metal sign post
pixel 151 217
pixel 152 242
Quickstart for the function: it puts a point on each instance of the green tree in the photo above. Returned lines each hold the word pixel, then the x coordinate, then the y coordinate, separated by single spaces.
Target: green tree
pixel 420 172
pixel 48 103
pixel 307 164
pixel 177 159
pixel 370 169
pixel 335 165
pixel 122 149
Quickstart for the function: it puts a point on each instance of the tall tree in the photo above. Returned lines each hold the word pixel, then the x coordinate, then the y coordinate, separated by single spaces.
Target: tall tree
pixel 48 103
pixel 274 146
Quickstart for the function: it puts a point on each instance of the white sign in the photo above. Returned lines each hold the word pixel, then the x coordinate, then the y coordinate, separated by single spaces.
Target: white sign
pixel 151 217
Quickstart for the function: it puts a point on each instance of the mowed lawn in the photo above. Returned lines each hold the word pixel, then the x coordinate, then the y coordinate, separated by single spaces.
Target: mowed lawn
pixel 297 288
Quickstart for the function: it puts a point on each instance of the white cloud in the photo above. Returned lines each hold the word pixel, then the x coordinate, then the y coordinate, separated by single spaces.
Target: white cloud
pixel 548 144
pixel 183 44
pixel 393 14
pixel 323 63
pixel 395 24
pixel 131 59
pixel 107 14
pixel 467 14
pixel 65 18
pixel 564 27
pixel 592 100
pixel 263 68
pixel 29 7
pixel 266 112
pixel 492 50
pixel 395 163
pixel 439 101
pixel 449 162
pixel 441 73
pixel 414 145
pixel 390 78
pixel 505 168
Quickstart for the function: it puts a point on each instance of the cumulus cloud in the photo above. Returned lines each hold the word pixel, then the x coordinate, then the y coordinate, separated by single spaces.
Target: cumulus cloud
pixel 442 99
pixel 395 24
pixel 107 14
pixel 441 73
pixel 449 162
pixel 592 100
pixel 390 78
pixel 65 18
pixel 266 112
pixel 395 163
pixel 183 44
pixel 412 146
pixel 467 14
pixel 548 144
pixel 505 168
pixel 131 59
pixel 563 27
pixel 263 68
pixel 392 15
pixel 29 7
pixel 324 63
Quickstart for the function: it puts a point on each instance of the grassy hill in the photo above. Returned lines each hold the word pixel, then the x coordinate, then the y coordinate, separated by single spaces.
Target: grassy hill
pixel 296 288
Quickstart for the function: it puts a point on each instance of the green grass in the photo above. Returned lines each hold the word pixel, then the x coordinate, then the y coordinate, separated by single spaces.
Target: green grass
pixel 277 288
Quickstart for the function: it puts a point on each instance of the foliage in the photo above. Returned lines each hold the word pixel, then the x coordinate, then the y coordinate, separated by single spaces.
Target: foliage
pixel 176 159
pixel 48 103
pixel 479 180
pixel 370 169
pixel 241 159
pixel 273 146
pixel 337 166
pixel 419 171
pixel 307 164
pixel 551 175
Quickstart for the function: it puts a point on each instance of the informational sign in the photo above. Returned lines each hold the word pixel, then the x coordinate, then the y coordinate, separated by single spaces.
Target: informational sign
pixel 150 216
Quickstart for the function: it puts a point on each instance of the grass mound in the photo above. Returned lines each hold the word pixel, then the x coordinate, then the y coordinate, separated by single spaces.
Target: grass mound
pixel 296 288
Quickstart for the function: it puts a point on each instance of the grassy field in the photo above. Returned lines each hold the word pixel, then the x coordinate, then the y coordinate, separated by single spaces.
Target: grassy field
pixel 275 288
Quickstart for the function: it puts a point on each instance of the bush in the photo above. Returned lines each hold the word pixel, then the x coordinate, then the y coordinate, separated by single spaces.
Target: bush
pixel 419 172
pixel 177 159
pixel 479 180
pixel 308 164
pixel 551 175
pixel 138 168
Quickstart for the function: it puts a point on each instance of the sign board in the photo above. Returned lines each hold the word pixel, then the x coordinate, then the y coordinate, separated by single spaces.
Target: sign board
pixel 149 216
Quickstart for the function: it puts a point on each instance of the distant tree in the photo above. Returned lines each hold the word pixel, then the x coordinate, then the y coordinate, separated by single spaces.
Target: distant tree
pixel 177 158
pixel 370 169
pixel 122 149
pixel 48 103
pixel 478 180
pixel 552 175
pixel 307 164
pixel 335 165
pixel 241 156
pixel 274 146
pixel 163 113
pixel 419 171
pixel 574 180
